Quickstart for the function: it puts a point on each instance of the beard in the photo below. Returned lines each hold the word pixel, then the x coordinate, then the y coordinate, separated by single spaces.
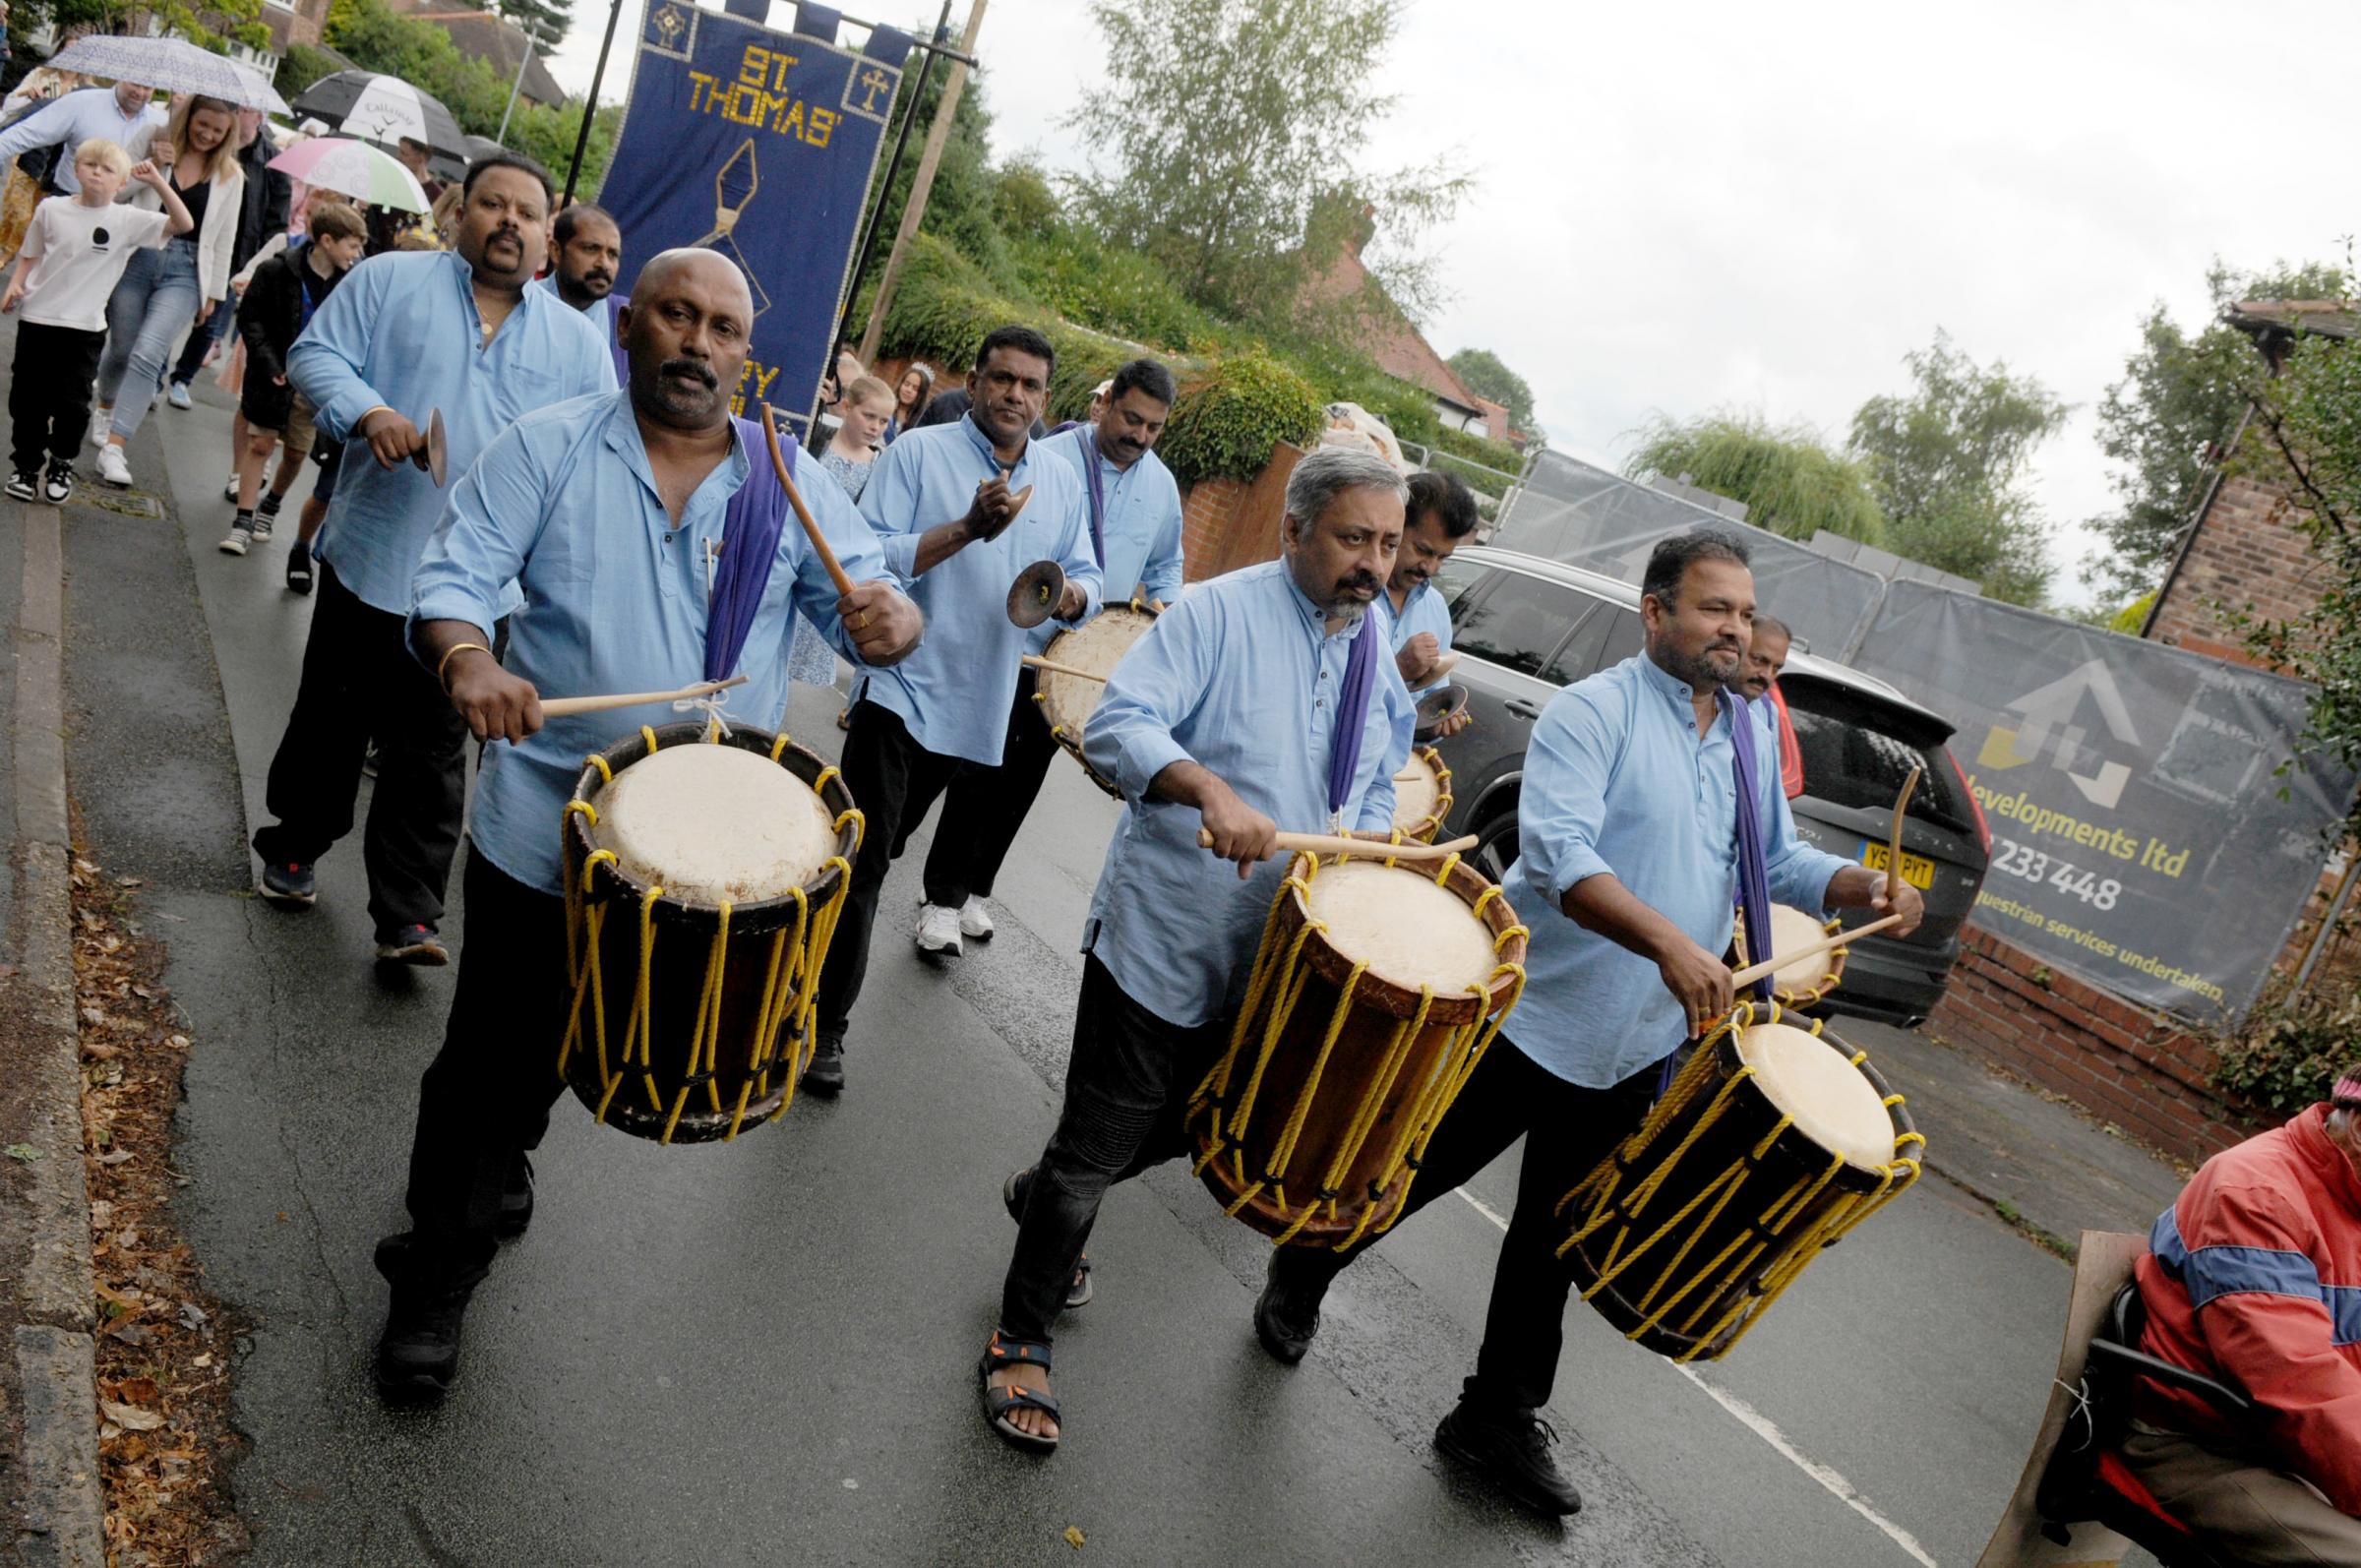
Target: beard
pixel 1348 610
pixel 1704 671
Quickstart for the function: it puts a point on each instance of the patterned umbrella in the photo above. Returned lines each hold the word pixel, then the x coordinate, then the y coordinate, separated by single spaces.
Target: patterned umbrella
pixel 169 65
pixel 353 168
pixel 381 109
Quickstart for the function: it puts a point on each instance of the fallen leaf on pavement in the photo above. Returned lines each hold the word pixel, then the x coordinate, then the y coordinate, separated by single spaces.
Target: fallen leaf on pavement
pixel 115 1156
pixel 1073 1537
pixel 24 1152
pixel 130 1417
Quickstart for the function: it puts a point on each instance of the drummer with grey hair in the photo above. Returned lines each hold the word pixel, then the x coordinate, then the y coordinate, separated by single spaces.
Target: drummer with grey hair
pixel 1263 700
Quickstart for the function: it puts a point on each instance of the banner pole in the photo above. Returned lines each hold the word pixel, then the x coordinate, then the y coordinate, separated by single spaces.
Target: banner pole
pixel 938 134
pixel 893 166
pixel 581 138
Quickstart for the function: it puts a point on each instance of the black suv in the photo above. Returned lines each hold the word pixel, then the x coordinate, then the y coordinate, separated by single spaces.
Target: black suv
pixel 1528 627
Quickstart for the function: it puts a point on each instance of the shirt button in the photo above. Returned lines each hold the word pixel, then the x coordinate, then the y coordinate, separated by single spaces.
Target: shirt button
pixel 668 538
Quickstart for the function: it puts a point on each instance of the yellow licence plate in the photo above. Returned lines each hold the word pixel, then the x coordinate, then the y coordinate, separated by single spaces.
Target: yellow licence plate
pixel 1916 869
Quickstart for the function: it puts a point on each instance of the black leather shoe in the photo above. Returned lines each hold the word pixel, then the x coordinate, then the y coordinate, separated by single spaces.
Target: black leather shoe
pixel 418 1352
pixel 516 1200
pixel 825 1076
pixel 1512 1452
pixel 1284 1320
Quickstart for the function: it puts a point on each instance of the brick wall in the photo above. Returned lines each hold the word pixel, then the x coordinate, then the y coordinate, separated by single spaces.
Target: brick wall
pixel 2244 554
pixel 1227 523
pixel 2142 1072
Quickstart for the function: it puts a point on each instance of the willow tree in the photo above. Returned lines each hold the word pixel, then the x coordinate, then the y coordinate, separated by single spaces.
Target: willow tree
pixel 1792 482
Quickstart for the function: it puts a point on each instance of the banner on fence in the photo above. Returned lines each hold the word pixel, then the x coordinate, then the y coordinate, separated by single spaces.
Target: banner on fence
pixel 757 144
pixel 2146 835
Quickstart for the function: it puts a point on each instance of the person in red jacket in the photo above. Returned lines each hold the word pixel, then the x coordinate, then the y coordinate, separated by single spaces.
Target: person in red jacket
pixel 2253 1278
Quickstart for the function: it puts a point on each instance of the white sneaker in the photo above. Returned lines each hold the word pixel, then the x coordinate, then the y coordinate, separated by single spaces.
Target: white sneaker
pixel 938 929
pixel 112 467
pixel 102 422
pixel 177 395
pixel 975 920
pixel 234 543
pixel 229 487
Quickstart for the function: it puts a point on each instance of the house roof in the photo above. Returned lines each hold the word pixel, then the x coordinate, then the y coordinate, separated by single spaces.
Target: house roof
pixel 2272 321
pixel 497 42
pixel 1391 341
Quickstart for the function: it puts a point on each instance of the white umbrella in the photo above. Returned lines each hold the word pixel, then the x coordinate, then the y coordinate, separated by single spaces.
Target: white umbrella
pixel 169 65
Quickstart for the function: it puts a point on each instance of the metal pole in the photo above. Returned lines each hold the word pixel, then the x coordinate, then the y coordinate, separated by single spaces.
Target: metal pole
pixel 893 166
pixel 581 138
pixel 2328 922
pixel 517 86
pixel 936 136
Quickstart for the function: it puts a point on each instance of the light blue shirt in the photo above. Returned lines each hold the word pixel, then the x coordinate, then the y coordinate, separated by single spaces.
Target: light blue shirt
pixel 1242 676
pixel 73 118
pixel 955 690
pixel 1423 610
pixel 604 313
pixel 565 503
pixel 401 331
pixel 1618 782
pixel 1142 524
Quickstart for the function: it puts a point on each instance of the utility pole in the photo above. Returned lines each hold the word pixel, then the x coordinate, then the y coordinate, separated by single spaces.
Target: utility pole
pixel 937 135
pixel 533 36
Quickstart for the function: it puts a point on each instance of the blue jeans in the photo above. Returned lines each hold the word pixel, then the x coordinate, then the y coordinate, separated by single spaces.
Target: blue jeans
pixel 192 356
pixel 154 303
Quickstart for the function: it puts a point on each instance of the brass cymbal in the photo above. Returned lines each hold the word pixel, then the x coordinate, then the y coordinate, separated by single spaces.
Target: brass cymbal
pixel 437 448
pixel 1436 707
pixel 1034 596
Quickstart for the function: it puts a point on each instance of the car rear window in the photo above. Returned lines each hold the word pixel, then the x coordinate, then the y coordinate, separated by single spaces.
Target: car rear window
pixel 1857 753
pixel 1517 622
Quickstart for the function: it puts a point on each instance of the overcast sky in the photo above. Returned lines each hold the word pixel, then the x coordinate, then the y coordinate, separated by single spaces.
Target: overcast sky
pixel 1691 206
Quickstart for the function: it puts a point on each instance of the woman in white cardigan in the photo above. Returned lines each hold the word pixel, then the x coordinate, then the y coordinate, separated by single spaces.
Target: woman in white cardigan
pixel 165 290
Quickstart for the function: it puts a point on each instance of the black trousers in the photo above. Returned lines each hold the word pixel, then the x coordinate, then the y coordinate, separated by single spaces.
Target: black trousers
pixel 1127 1084
pixel 49 393
pixel 1567 1130
pixel 893 780
pixel 360 679
pixel 485 1099
pixel 985 807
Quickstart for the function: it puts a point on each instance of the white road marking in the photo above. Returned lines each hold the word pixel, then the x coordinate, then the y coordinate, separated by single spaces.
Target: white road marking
pixel 1764 1427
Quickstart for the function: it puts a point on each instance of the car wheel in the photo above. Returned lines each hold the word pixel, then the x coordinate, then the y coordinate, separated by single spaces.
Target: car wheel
pixel 1495 848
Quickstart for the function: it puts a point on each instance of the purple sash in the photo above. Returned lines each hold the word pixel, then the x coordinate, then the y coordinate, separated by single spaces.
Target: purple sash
pixel 1351 715
pixel 749 537
pixel 1754 872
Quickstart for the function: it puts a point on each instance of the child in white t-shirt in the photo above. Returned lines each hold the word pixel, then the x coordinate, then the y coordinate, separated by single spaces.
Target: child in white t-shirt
pixel 74 253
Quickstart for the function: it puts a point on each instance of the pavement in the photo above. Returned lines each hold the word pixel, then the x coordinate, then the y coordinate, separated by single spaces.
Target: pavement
pixel 765 1351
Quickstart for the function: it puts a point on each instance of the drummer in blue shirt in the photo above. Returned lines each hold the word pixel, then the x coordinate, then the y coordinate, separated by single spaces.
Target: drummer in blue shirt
pixel 585 262
pixel 1629 823
pixel 607 509
pixel 1442 514
pixel 943 501
pixel 1136 531
pixel 408 333
pixel 1262 700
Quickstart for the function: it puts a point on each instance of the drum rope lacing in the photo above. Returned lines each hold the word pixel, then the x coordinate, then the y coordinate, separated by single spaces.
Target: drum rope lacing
pixel 1755 1292
pixel 1462 1052
pixel 710 705
pixel 790 987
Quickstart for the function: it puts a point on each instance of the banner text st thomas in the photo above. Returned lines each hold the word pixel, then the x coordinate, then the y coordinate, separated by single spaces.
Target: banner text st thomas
pixel 759 97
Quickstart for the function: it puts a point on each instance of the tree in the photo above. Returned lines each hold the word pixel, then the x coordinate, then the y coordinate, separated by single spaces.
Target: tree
pixel 1216 144
pixel 1489 379
pixel 545 19
pixel 2168 422
pixel 1791 483
pixel 1946 463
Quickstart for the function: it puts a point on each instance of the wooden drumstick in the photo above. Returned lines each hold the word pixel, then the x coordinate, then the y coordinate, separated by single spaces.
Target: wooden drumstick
pixel 561 707
pixel 1367 848
pixel 1910 787
pixel 1054 667
pixel 803 513
pixel 1754 971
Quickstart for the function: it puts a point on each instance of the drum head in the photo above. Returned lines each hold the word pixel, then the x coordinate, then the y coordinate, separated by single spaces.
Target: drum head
pixel 1411 931
pixel 1816 1085
pixel 1097 645
pixel 1791 929
pixel 1415 797
pixel 715 825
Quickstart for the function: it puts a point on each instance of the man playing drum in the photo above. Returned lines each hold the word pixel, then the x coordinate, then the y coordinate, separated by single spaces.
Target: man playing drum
pixel 1633 830
pixel 951 508
pixel 1243 710
pixel 1135 533
pixel 603 508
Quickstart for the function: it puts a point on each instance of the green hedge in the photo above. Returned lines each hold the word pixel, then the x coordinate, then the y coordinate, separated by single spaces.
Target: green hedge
pixel 1235 407
pixel 1484 450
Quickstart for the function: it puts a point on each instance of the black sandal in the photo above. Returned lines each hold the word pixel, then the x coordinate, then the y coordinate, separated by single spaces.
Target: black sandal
pixel 1000 1403
pixel 1012 1198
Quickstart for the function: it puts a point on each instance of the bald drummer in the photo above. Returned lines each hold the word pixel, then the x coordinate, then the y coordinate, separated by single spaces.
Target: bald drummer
pixel 610 510
pixel 1651 797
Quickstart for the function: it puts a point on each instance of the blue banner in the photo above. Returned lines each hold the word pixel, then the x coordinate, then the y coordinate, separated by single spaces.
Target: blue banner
pixel 758 144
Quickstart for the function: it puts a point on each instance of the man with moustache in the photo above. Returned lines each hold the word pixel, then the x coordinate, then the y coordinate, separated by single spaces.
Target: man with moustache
pixel 1442 514
pixel 1135 533
pixel 406 333
pixel 1766 656
pixel 945 503
pixel 585 258
pixel 1646 812
pixel 1262 700
pixel 602 508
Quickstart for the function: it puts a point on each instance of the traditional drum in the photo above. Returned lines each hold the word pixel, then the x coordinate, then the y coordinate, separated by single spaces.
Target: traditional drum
pixel 1770 1144
pixel 1807 981
pixel 1097 645
pixel 703 876
pixel 1377 988
pixel 1421 796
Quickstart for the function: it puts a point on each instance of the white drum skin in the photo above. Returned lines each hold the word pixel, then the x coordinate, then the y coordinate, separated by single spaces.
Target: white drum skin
pixel 1411 931
pixel 715 825
pixel 1817 1087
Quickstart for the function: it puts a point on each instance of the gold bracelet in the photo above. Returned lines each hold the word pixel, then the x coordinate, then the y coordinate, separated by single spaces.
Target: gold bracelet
pixel 443 663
